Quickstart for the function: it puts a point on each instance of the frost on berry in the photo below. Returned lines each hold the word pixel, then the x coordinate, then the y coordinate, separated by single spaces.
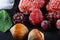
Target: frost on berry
pixel 58 24
pixel 53 5
pixel 29 5
pixel 36 17
pixel 45 25
pixel 53 16
pixel 18 18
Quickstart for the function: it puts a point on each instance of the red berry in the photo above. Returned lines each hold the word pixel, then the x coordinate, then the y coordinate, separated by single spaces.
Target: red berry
pixel 58 24
pixel 45 25
pixel 53 5
pixel 29 5
pixel 36 17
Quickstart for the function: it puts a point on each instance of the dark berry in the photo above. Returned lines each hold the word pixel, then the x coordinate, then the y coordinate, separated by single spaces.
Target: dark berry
pixel 53 16
pixel 46 25
pixel 58 24
pixel 18 18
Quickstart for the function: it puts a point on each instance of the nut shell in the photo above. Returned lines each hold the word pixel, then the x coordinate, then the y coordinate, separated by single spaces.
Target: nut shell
pixel 19 31
pixel 35 34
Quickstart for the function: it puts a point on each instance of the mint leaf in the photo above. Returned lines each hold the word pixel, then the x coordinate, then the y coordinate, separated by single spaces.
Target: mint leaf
pixel 5 21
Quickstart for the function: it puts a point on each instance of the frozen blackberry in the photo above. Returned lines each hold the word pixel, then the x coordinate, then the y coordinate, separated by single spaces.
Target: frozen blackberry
pixel 53 16
pixel 18 18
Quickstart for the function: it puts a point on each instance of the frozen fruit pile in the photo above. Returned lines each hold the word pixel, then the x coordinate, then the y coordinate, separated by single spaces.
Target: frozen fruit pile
pixel 37 17
pixel 35 11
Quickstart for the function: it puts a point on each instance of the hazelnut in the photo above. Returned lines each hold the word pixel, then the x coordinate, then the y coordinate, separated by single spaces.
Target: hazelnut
pixel 35 34
pixel 19 31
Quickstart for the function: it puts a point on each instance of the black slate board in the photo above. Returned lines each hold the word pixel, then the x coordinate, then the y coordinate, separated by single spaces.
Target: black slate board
pixel 49 35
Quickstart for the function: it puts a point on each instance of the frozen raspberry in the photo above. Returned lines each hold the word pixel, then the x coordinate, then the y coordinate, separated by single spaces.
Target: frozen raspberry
pixel 53 16
pixel 53 5
pixel 36 17
pixel 18 18
pixel 58 24
pixel 29 5
pixel 45 25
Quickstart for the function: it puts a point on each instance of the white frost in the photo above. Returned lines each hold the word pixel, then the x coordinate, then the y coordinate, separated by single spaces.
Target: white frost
pixel 6 4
